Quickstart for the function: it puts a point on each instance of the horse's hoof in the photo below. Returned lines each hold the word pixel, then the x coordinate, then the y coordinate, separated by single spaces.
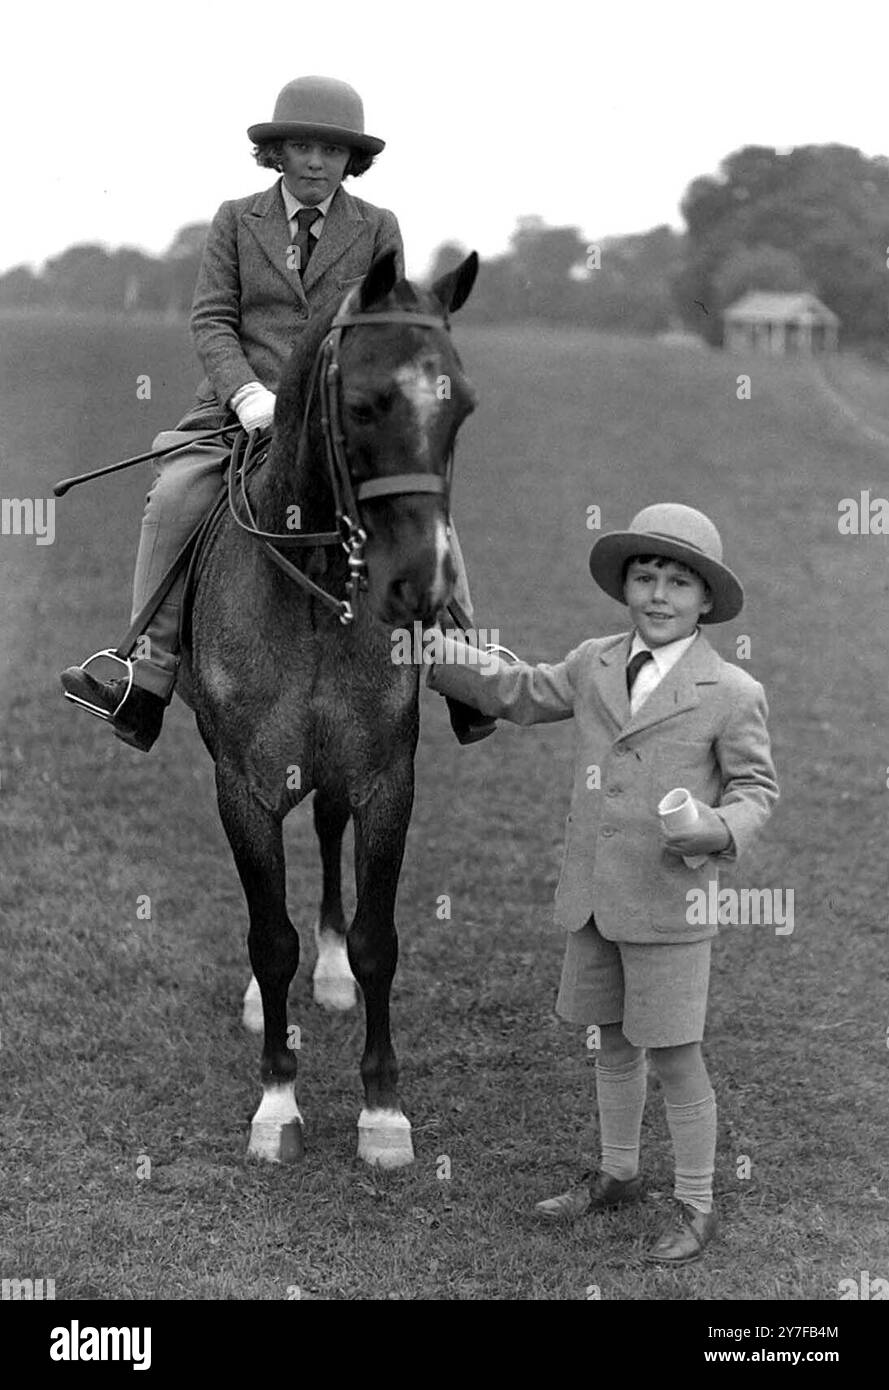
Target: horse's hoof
pixel 276 1130
pixel 333 983
pixel 277 1143
pixel 384 1139
pixel 251 1014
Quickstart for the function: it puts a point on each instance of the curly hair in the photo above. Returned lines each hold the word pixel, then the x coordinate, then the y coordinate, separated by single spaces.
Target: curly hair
pixel 660 561
pixel 269 154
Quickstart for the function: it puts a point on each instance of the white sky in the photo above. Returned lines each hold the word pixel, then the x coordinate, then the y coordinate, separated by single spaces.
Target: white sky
pixel 124 121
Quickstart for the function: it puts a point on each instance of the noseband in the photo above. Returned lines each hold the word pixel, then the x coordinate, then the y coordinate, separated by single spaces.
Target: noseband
pixel 350 534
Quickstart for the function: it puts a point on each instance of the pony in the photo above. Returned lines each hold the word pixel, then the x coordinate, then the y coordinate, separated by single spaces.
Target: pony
pixel 294 688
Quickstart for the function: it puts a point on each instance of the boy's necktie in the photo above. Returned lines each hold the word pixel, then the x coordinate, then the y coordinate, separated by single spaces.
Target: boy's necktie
pixel 304 240
pixel 634 666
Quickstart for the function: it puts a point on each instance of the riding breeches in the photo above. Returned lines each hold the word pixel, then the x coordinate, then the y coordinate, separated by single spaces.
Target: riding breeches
pixel 185 488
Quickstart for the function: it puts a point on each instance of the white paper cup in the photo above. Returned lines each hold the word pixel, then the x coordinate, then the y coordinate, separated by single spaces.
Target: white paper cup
pixel 678 811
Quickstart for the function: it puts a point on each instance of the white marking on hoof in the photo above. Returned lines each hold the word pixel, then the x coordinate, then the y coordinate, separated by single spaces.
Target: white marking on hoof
pixel 251 1015
pixel 384 1138
pixel 332 980
pixel 276 1130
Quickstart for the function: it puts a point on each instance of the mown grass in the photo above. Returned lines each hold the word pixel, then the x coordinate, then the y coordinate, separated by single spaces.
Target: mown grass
pixel 862 383
pixel 120 1037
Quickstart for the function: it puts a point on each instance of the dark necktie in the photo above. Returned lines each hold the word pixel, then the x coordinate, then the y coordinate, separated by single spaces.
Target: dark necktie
pixel 304 240
pixel 634 666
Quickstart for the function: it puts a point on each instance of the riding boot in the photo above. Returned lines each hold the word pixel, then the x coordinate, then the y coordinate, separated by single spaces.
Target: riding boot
pixel 183 491
pixel 135 718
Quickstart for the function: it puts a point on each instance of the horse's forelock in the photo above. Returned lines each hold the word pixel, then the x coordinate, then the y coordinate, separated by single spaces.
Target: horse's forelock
pixel 297 373
pixel 298 370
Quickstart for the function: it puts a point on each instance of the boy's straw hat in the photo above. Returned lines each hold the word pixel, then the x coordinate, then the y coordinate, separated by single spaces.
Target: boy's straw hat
pixel 679 533
pixel 318 108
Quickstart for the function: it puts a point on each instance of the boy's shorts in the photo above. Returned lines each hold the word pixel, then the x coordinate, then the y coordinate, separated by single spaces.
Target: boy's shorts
pixel 657 992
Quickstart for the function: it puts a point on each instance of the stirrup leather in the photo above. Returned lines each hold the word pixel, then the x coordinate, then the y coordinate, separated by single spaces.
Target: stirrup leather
pixel 97 709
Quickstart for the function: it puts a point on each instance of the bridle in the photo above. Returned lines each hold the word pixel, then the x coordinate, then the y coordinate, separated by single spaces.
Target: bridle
pixel 350 534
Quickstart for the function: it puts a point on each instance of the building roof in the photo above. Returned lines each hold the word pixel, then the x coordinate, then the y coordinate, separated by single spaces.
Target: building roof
pixel 767 306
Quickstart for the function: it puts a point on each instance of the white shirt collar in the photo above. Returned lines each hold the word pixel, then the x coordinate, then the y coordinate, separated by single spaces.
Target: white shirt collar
pixel 292 205
pixel 665 657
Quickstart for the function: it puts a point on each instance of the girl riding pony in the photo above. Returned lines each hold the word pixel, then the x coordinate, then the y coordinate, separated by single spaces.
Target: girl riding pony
pixel 273 262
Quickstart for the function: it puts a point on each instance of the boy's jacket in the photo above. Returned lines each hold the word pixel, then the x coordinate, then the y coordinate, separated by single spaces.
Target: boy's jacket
pixel 249 306
pixel 703 727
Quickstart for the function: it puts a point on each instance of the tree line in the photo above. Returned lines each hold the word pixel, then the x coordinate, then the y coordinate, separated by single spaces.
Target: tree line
pixel 815 217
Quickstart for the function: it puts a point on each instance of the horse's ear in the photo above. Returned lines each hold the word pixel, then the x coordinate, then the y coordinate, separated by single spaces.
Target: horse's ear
pixel 379 280
pixel 453 289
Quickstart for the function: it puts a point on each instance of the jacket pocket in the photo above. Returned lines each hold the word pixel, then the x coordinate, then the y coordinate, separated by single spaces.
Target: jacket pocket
pixel 683 895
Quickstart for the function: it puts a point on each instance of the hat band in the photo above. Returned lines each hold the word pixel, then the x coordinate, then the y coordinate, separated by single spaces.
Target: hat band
pixel 677 540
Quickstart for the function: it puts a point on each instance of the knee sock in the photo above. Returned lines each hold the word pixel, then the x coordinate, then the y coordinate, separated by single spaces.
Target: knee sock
pixel 693 1131
pixel 620 1091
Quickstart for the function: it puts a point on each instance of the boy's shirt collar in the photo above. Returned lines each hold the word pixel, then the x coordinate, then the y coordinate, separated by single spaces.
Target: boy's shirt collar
pixel 664 657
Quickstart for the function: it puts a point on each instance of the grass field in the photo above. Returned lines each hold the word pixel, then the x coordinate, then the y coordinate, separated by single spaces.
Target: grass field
pixel 863 385
pixel 120 1037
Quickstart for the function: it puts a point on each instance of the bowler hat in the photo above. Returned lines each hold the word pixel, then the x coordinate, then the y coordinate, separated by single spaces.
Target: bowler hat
pixel 318 108
pixel 677 533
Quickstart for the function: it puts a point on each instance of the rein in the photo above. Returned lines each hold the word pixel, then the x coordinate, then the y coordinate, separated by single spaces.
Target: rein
pixel 350 534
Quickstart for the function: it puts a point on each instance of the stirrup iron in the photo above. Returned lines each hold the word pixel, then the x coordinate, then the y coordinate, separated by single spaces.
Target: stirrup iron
pixel 96 709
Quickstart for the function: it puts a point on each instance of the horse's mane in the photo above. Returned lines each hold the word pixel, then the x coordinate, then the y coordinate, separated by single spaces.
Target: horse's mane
pixel 294 383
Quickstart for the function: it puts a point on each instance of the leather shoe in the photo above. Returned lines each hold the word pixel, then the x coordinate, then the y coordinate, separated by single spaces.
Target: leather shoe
pixel 469 724
pixel 684 1238
pixel 138 721
pixel 594 1192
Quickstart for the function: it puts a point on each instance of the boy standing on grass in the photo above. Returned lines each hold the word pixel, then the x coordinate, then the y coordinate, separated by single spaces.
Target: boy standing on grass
pixel 655 709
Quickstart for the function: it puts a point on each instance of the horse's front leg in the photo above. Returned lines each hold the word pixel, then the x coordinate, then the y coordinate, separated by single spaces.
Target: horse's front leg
pixel 384 1132
pixel 333 983
pixel 254 833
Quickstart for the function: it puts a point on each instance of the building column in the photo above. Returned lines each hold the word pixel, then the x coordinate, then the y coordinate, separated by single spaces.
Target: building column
pixel 805 338
pixel 778 343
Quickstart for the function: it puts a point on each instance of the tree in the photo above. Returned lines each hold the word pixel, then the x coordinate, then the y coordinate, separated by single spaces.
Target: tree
pixel 79 278
pixel 828 205
pixel 188 243
pixel 21 288
pixel 445 258
pixel 182 261
pixel 757 268
pixel 630 291
pixel 543 260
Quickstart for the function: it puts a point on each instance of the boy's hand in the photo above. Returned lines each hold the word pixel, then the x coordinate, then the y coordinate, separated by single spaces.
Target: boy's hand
pixel 710 836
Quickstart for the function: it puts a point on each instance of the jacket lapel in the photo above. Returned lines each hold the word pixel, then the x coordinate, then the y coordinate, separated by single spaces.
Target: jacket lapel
pixel 267 220
pixel 678 691
pixel 612 681
pixel 342 226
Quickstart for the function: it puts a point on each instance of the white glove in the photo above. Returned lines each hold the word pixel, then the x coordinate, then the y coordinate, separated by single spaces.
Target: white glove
pixel 254 406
